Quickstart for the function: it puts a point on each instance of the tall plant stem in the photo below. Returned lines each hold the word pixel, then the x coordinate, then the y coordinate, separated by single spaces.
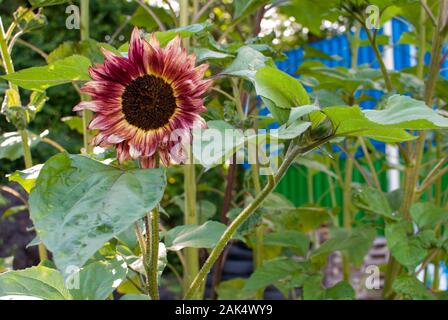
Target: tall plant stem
pixel 9 68
pixel 245 214
pixel 190 214
pixel 346 207
pixel 412 171
pixel 154 254
pixel 259 231
pixel 86 114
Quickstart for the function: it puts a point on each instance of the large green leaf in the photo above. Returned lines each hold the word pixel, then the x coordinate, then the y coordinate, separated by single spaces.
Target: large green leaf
pixel 37 282
pixel 194 236
pixel 373 200
pixel 246 63
pixel 407 113
pixel 73 68
pixel 98 279
pixel 79 204
pixel 428 215
pixel 351 121
pixel 409 250
pixel 279 87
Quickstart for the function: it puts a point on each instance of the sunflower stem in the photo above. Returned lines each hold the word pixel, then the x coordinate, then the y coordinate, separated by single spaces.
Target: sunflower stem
pixel 86 114
pixel 9 68
pixel 154 254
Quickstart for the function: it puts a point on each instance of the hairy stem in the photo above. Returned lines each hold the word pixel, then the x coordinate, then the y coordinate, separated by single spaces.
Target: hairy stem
pixel 86 114
pixel 154 254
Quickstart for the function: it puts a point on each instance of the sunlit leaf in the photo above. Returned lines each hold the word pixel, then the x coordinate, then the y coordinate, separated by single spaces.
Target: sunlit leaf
pixel 73 68
pixel 38 282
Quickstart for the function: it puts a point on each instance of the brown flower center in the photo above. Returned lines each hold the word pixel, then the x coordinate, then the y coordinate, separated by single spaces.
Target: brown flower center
pixel 148 102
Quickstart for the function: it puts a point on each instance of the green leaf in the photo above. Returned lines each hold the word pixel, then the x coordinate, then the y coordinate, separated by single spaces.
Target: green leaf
pixel 407 113
pixel 310 13
pixel 46 3
pixel 98 279
pixel 243 8
pixel 272 271
pixel 206 210
pixel 373 200
pixel 73 68
pixel 203 54
pixel 313 288
pixel 246 63
pixel 88 48
pixel 428 215
pixel 352 122
pixel 26 178
pixel 340 291
pixel 288 238
pixel 304 218
pixel 288 132
pixel 279 87
pixel 299 112
pixel 356 242
pixel 408 250
pixel 74 123
pixel 11 144
pixel 184 32
pixel 37 282
pixel 206 235
pixel 412 288
pixel 79 204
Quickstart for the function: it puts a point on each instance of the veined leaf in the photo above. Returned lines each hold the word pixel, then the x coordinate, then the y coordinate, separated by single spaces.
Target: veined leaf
pixel 37 282
pixel 79 204
pixel 73 68
pixel 194 236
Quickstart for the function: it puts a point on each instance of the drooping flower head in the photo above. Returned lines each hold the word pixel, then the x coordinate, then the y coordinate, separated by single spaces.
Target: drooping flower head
pixel 142 99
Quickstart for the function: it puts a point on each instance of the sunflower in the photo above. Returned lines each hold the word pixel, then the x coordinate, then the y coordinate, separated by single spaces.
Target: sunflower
pixel 145 99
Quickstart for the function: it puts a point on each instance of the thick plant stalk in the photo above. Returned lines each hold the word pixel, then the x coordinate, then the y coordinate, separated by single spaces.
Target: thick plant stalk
pixel 259 232
pixel 190 214
pixel 245 214
pixel 412 172
pixel 154 254
pixel 9 68
pixel 346 208
pixel 86 114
